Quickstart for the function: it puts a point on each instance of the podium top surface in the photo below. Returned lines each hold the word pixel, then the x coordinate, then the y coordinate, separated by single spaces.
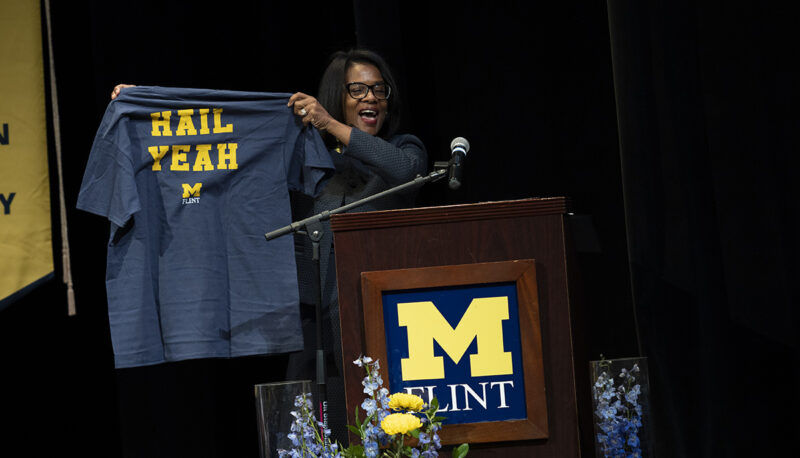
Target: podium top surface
pixel 449 213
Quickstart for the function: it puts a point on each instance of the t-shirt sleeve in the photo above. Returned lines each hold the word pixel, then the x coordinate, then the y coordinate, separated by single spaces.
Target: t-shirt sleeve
pixel 311 164
pixel 109 187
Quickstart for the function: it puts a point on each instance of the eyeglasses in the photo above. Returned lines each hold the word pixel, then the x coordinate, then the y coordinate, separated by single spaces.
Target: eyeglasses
pixel 360 90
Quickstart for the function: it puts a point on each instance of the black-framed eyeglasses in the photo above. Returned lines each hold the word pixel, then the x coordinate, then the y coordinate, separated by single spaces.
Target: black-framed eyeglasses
pixel 360 90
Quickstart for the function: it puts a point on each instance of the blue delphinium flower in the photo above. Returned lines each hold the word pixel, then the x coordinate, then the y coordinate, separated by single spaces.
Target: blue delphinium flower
pixel 362 360
pixel 370 449
pixel 633 440
pixel 370 386
pixel 372 382
pixel 369 405
pixel 293 437
pixel 437 441
pixel 424 439
pixel 619 413
pixel 633 395
pixel 309 437
pixel 383 398
pixel 312 440
pixel 378 433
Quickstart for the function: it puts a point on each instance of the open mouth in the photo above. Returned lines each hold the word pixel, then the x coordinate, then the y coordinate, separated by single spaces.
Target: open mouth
pixel 368 115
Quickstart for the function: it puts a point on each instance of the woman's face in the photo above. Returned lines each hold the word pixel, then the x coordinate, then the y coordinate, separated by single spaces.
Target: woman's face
pixel 367 114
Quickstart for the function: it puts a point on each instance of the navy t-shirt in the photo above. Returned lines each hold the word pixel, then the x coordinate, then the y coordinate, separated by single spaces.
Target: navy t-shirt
pixel 191 180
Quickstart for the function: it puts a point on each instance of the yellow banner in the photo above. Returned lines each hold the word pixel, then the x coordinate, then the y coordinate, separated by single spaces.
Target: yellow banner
pixel 26 249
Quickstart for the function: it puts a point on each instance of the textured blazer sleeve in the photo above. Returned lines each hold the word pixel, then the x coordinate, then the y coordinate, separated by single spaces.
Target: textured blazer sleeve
pixel 396 161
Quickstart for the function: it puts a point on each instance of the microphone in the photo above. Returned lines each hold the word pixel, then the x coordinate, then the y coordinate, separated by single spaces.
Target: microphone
pixel 459 148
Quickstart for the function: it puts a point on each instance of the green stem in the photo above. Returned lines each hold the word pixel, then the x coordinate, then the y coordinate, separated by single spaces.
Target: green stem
pixel 400 446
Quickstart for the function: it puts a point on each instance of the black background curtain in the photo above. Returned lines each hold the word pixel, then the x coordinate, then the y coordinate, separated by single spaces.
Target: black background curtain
pixel 706 96
pixel 670 125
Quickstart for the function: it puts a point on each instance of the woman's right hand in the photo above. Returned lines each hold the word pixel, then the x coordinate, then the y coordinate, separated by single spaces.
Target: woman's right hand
pixel 119 87
pixel 312 112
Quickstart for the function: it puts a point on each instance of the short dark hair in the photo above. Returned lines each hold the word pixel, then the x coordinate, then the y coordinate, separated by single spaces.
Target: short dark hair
pixel 331 87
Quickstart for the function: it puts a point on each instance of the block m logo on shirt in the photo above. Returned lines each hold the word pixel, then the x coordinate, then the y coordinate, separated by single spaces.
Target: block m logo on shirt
pixel 191 191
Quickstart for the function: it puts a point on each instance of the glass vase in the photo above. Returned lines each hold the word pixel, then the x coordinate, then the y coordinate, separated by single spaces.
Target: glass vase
pixel 621 407
pixel 274 404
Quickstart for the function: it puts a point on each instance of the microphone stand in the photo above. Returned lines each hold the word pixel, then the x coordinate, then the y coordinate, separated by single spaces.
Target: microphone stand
pixel 312 227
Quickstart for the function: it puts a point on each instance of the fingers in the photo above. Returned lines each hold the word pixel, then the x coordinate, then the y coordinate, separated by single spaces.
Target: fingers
pixel 303 105
pixel 300 101
pixel 310 111
pixel 118 88
pixel 295 97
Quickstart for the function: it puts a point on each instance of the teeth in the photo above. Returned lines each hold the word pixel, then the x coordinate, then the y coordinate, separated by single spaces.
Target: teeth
pixel 369 113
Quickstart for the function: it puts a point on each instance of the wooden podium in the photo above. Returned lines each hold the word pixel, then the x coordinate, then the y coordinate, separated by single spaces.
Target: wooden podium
pixel 459 235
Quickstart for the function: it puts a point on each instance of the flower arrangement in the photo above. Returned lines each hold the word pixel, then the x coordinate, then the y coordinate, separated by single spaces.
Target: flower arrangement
pixel 389 426
pixel 618 412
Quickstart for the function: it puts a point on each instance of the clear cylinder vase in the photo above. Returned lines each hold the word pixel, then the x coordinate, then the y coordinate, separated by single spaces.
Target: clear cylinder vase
pixel 621 408
pixel 274 404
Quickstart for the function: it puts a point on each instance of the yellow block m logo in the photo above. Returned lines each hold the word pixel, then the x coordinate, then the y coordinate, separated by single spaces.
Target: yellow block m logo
pixel 482 320
pixel 191 191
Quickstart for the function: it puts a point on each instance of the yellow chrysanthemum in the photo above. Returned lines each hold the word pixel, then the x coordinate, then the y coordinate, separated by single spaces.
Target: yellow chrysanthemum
pixel 405 401
pixel 400 423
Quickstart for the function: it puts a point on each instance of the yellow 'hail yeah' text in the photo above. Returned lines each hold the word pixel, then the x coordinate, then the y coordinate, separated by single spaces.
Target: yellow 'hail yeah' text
pixel 186 126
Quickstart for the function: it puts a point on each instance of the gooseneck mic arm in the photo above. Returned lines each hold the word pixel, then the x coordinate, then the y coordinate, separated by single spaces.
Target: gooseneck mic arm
pixel 323 216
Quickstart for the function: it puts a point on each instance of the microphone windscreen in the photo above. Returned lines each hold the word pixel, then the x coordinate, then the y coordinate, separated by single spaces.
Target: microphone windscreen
pixel 460 142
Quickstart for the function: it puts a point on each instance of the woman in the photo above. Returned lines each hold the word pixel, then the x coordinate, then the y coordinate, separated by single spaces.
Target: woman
pixel 358 113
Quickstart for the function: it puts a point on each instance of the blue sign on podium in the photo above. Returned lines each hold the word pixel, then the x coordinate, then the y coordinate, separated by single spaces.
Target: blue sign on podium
pixel 460 344
pixel 468 335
